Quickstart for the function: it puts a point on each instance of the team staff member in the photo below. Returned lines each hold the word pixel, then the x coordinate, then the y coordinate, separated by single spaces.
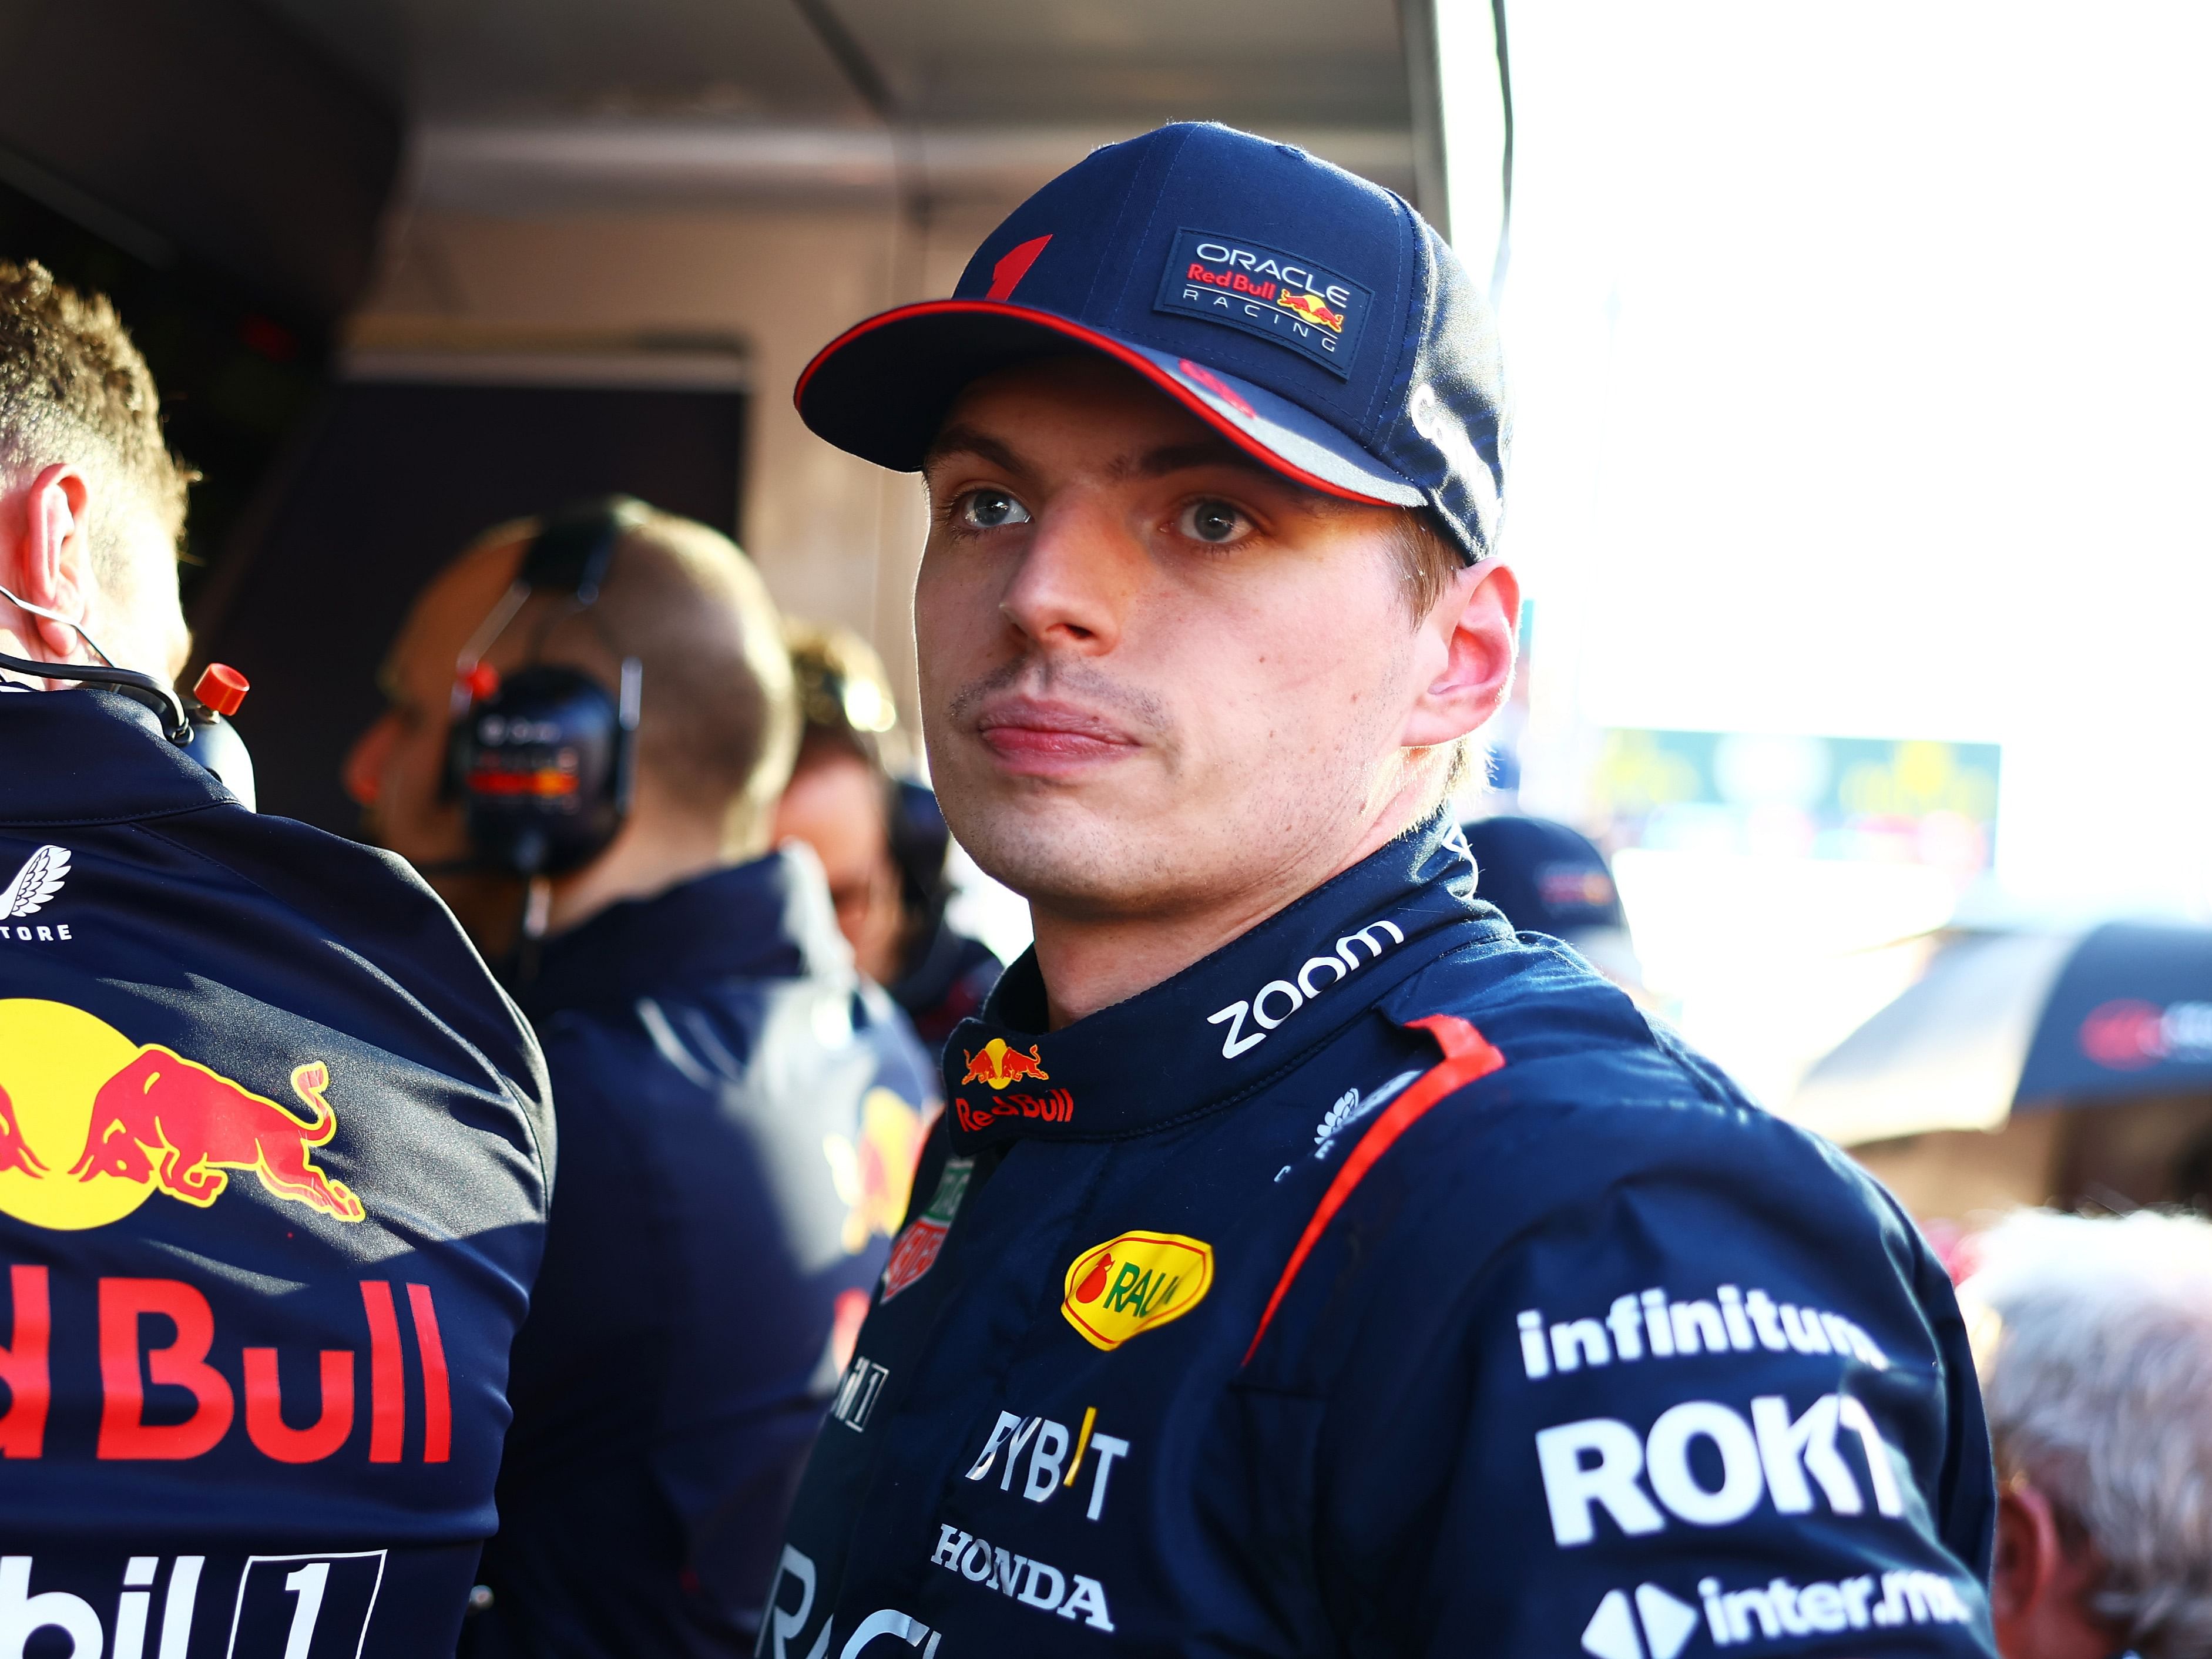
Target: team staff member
pixel 274 1150
pixel 1305 1265
pixel 882 840
pixel 739 1111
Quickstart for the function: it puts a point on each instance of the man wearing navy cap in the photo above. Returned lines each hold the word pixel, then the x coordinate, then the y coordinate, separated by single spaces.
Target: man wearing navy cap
pixel 1304 1264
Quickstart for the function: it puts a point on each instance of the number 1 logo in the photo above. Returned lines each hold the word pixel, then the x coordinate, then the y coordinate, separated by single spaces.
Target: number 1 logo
pixel 306 1606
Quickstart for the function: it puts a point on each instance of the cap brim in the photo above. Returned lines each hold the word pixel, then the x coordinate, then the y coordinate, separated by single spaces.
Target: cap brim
pixel 882 389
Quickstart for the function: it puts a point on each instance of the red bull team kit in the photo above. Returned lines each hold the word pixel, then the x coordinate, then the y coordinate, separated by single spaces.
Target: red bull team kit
pixel 739 1119
pixel 274 1162
pixel 1385 1283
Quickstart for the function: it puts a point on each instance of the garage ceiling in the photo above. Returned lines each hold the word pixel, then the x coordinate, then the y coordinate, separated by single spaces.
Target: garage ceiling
pixel 530 105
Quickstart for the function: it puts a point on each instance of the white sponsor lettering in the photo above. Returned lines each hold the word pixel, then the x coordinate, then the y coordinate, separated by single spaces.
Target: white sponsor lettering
pixel 856 1394
pixel 1650 1324
pixel 1780 1607
pixel 322 1598
pixel 35 885
pixel 1239 259
pixel 1441 428
pixel 1278 999
pixel 885 1621
pixel 783 1626
pixel 1033 1584
pixel 1601 1463
pixel 1048 1445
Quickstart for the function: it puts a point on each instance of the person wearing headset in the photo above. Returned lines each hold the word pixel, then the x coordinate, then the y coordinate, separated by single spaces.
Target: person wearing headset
pixel 275 1151
pixel 590 719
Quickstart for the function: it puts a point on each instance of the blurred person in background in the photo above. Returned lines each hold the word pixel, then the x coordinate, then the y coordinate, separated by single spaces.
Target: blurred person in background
pixel 1550 879
pixel 262 1111
pixel 881 839
pixel 2096 1364
pixel 741 1112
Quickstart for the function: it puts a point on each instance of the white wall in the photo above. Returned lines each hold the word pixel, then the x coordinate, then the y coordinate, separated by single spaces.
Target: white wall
pixel 837 538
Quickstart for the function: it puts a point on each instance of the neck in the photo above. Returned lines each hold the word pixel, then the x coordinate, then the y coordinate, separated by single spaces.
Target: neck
pixel 1089 961
pixel 26 644
pixel 655 851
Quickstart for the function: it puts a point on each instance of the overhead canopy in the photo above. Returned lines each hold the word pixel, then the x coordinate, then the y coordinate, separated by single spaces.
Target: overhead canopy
pixel 2010 1024
pixel 210 133
pixel 535 104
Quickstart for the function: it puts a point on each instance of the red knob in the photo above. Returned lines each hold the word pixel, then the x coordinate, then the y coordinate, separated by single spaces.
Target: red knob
pixel 221 688
pixel 482 681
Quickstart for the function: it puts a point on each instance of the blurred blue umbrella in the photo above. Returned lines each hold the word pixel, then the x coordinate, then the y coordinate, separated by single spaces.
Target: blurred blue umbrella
pixel 2017 1022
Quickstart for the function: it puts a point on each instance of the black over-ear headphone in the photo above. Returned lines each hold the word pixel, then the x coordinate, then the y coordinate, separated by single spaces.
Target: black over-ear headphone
pixel 196 725
pixel 544 762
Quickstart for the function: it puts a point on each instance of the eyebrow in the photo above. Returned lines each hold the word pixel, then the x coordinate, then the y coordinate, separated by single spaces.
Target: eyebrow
pixel 1152 463
pixel 972 440
pixel 1177 458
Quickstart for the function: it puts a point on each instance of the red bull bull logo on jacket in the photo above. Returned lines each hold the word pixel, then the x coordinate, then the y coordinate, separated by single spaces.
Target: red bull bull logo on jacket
pixel 999 1067
pixel 92 1125
pixel 1266 291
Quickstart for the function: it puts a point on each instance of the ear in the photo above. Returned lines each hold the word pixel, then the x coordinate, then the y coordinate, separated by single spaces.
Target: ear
pixel 56 565
pixel 1469 638
pixel 2028 1561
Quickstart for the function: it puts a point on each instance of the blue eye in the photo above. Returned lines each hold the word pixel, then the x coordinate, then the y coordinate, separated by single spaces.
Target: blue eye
pixel 1215 523
pixel 989 510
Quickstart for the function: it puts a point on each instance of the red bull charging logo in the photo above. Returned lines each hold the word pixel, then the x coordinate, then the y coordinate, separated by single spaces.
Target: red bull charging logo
pixel 92 1125
pixel 998 1067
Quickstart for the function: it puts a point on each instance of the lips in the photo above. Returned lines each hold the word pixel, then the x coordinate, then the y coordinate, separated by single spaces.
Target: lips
pixel 1031 735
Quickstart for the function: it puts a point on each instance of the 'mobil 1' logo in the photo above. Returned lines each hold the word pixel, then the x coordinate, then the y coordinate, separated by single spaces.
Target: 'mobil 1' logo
pixel 93 1124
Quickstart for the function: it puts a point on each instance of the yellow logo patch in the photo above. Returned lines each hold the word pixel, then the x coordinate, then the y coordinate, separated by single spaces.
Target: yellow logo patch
pixel 1135 1282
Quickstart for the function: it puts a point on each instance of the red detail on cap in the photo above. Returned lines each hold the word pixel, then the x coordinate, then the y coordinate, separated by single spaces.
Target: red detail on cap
pixel 1006 275
pixel 481 681
pixel 1112 347
pixel 1220 388
pixel 1467 1056
pixel 221 688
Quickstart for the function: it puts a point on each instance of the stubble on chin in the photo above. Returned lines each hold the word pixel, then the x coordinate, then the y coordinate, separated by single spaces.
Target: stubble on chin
pixel 1079 844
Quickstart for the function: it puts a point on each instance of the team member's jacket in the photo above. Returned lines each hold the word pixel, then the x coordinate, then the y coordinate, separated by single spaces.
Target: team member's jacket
pixel 1386 1284
pixel 739 1124
pixel 274 1161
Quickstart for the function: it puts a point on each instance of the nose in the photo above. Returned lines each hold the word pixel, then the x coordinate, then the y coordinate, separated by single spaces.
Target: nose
pixel 363 772
pixel 1076 577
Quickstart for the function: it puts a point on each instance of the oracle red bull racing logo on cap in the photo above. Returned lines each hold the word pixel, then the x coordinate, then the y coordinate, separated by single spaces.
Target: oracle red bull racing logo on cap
pixel 1266 291
pixel 92 1125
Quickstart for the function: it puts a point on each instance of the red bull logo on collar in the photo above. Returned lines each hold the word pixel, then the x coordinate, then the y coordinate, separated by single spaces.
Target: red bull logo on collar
pixel 92 1125
pixel 999 1067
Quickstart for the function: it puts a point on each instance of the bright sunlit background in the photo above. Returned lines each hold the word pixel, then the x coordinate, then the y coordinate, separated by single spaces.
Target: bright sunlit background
pixel 1859 356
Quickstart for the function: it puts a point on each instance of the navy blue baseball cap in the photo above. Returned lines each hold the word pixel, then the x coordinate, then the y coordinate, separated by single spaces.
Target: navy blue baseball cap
pixel 1313 319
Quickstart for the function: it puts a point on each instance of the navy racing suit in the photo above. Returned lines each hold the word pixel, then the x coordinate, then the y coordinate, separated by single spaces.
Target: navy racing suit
pixel 740 1113
pixel 1385 1283
pixel 274 1154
